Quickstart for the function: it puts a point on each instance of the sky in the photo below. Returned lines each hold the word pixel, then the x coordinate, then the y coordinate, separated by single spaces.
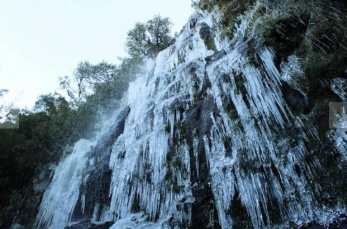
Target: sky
pixel 42 40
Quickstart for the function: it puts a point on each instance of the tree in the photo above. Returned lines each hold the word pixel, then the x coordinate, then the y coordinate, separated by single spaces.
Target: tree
pixel 2 106
pixel 8 113
pixel 77 86
pixel 147 40
pixel 51 103
pixel 159 29
pixel 138 41
pixel 84 80
pixel 101 73
pixel 47 132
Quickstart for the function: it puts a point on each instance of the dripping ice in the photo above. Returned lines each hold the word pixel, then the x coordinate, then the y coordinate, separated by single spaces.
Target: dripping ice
pixel 139 155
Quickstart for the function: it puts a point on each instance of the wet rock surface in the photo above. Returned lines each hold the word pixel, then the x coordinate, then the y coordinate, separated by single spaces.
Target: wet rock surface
pixel 205 31
pixel 97 186
pixel 339 223
pixel 295 99
pixel 225 140
pixel 88 225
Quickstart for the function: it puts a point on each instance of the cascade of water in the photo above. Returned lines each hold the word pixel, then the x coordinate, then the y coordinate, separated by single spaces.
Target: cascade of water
pixel 259 112
pixel 194 124
pixel 60 199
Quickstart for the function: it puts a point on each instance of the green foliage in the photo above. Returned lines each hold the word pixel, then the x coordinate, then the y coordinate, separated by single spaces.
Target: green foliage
pixel 84 80
pixel 8 113
pixel 210 44
pixel 228 10
pixel 28 150
pixel 2 106
pixel 147 40
pixel 47 133
pixel 159 29
pixel 138 41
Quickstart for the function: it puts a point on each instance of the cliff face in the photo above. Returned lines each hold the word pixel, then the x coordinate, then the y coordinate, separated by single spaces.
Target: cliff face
pixel 229 129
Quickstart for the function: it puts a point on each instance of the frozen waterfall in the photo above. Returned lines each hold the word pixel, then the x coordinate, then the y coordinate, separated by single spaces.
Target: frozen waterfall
pixel 199 128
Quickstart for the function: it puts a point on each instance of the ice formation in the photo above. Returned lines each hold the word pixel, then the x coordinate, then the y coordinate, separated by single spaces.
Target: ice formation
pixel 189 115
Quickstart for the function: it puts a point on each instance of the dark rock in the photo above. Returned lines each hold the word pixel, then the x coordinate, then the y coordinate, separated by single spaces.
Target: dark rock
pixel 98 184
pixel 286 36
pixel 192 23
pixel 81 225
pixel 198 121
pixel 86 224
pixel 339 223
pixel 215 57
pixel 205 32
pixel 295 99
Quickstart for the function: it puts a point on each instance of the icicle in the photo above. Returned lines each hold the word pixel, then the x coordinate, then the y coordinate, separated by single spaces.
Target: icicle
pixel 247 155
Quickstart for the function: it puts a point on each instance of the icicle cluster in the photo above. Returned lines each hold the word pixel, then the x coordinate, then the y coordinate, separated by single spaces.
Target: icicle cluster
pixel 255 148
pixel 251 128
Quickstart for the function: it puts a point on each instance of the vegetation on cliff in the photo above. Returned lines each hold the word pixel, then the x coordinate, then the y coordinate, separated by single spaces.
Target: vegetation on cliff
pixel 47 133
pixel 304 42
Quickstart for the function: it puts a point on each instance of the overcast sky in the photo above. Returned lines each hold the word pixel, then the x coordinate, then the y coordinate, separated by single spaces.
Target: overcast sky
pixel 41 40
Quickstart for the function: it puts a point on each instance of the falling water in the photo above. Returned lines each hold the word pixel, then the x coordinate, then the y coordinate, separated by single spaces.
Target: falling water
pixel 225 115
pixel 60 199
